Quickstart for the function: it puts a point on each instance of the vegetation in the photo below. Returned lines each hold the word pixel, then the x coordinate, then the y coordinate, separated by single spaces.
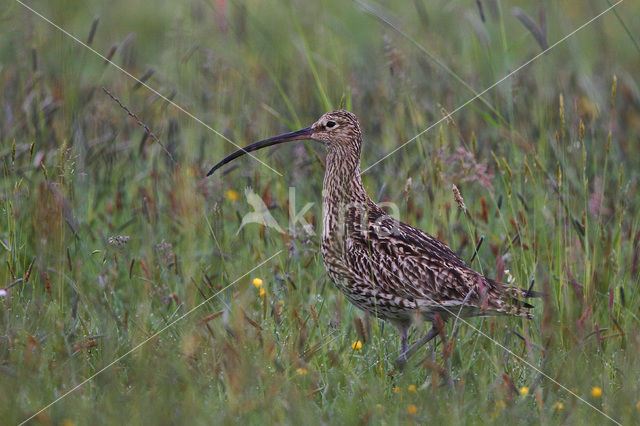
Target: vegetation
pixel 121 263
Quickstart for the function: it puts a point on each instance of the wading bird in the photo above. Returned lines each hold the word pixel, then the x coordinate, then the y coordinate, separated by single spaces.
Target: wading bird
pixel 385 267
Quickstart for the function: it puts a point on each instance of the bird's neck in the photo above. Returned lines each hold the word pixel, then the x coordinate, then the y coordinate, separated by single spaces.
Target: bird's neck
pixel 342 182
pixel 342 189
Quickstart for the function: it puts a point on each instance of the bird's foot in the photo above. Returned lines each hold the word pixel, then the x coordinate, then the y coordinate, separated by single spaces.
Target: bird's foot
pixel 401 361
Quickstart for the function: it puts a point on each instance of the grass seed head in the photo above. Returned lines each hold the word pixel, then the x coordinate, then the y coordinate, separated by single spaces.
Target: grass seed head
pixel 614 86
pixel 458 198
pixel 561 112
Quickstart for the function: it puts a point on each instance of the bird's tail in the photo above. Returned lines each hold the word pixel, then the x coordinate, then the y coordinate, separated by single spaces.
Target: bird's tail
pixel 514 297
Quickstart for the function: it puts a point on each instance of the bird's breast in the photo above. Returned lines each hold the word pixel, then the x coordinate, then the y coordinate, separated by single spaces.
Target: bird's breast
pixel 333 244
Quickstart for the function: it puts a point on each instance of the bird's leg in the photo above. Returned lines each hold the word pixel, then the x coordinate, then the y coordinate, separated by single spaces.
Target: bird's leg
pixel 433 332
pixel 403 340
pixel 401 360
pixel 406 353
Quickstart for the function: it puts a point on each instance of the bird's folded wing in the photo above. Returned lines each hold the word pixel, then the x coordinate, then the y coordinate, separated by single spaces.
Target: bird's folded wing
pixel 406 261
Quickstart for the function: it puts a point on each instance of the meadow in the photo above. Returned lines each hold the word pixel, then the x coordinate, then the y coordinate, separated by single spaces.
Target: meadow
pixel 132 292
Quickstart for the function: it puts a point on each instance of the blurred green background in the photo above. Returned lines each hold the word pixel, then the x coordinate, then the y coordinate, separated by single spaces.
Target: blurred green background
pixel 109 236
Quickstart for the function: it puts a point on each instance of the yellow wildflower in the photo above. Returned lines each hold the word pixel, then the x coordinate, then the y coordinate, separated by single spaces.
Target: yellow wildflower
pixel 412 409
pixel 412 388
pixel 396 389
pixel 558 406
pixel 500 404
pixel 357 345
pixel 262 292
pixel 231 195
pixel 302 371
pixel 524 391
pixel 257 282
pixel 596 392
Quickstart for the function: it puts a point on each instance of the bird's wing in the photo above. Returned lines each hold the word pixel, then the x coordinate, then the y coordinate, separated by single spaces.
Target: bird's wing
pixel 408 262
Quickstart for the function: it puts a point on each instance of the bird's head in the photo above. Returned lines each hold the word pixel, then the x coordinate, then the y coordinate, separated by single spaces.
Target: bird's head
pixel 335 129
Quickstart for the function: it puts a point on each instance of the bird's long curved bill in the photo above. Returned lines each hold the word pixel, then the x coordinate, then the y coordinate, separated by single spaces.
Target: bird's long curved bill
pixel 292 136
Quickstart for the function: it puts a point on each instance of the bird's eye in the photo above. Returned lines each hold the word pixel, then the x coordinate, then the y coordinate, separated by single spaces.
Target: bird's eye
pixel 330 124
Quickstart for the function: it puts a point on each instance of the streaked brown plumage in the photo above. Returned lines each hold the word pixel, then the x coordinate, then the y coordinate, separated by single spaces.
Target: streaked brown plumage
pixel 385 267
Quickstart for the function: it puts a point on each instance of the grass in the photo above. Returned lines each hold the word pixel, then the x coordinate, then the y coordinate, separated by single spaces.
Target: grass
pixel 107 240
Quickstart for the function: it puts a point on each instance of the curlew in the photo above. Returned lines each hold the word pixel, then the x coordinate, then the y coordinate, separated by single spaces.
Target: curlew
pixel 390 269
